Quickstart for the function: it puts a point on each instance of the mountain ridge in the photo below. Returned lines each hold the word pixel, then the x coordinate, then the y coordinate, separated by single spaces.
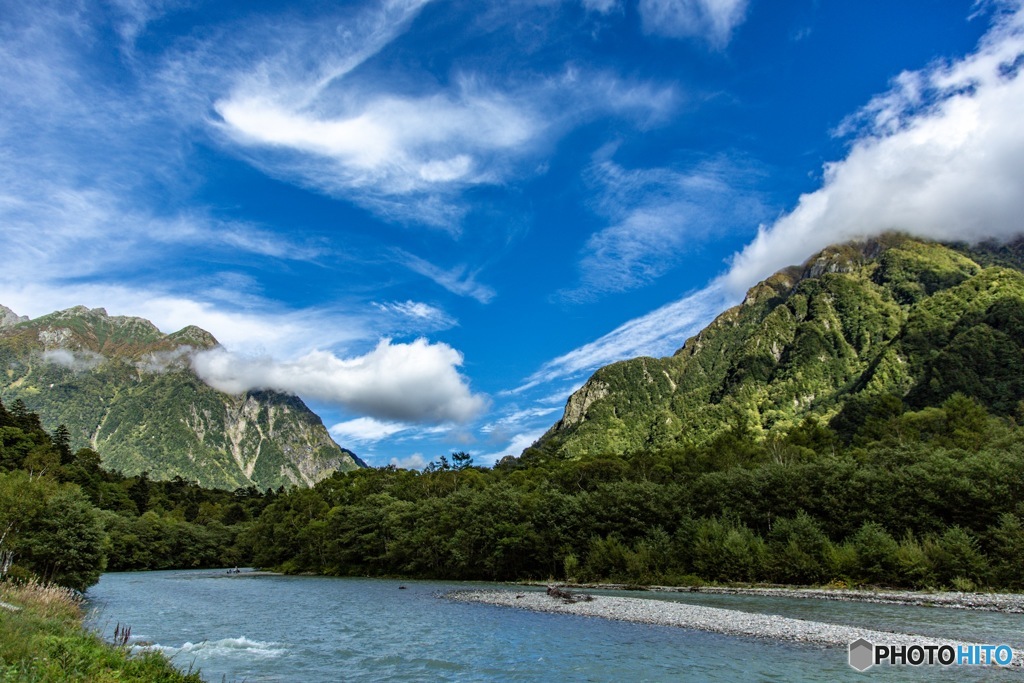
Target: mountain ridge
pixel 127 390
pixel 892 315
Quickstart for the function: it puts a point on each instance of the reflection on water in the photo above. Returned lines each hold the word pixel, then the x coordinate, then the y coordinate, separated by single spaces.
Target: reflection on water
pixel 276 628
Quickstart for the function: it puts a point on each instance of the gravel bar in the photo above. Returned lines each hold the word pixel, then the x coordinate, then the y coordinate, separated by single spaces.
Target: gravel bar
pixel 1010 603
pixel 713 619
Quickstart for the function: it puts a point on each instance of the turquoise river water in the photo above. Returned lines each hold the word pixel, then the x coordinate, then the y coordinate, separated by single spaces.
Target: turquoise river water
pixel 261 628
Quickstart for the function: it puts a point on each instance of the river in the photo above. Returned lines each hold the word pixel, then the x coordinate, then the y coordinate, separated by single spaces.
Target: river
pixel 262 628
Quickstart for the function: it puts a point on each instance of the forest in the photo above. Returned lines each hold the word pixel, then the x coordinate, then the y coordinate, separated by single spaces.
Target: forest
pixel 923 499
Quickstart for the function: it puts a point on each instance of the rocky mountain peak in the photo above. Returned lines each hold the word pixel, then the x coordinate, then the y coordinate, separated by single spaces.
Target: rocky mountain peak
pixel 9 318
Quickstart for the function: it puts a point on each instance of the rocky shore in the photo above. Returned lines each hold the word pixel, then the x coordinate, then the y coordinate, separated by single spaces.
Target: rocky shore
pixel 1012 603
pixel 713 619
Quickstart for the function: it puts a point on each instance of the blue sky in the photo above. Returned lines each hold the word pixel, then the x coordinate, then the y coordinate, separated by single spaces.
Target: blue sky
pixel 433 220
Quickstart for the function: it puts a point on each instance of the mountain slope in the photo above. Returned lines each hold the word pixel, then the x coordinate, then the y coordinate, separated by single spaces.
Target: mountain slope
pixel 893 316
pixel 127 390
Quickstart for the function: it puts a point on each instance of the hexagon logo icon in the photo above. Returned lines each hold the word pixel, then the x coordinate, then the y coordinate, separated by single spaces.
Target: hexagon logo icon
pixel 862 655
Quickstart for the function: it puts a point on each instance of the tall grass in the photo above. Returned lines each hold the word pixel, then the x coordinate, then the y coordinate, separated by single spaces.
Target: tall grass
pixel 42 640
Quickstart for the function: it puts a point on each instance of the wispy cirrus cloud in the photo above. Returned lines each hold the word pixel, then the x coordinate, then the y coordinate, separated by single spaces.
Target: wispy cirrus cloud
pixel 460 279
pixel 711 20
pixel 658 333
pixel 368 430
pixel 514 446
pixel 420 314
pixel 406 148
pixel 602 6
pixel 515 419
pixel 657 215
pixel 407 155
pixel 86 159
pixel 134 15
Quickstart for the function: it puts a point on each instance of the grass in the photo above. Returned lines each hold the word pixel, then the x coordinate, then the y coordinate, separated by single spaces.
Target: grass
pixel 43 640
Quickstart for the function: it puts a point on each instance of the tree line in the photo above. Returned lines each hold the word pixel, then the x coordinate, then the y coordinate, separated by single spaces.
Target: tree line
pixel 65 519
pixel 895 497
pixel 927 498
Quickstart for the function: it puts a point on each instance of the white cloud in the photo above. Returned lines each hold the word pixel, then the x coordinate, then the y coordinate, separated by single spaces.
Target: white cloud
pixel 658 214
pixel 393 145
pixel 601 6
pixel 80 152
pixel 418 312
pixel 161 361
pixel 407 154
pixel 416 461
pixel 658 333
pixel 260 329
pixel 459 280
pixel 314 112
pixel 712 20
pixel 136 14
pixel 78 361
pixel 367 429
pixel 516 419
pixel 416 382
pixel 941 155
pixel 515 446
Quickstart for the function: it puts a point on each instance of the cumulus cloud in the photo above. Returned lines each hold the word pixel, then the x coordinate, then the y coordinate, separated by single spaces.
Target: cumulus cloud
pixel 941 155
pixel 77 361
pixel 712 20
pixel 415 382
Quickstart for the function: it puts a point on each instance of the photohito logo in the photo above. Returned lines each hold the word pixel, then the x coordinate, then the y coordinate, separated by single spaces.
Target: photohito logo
pixel 865 654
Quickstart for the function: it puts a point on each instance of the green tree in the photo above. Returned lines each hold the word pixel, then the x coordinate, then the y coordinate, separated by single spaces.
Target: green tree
pixel 798 551
pixel 65 542
pixel 956 555
pixel 876 555
pixel 1008 552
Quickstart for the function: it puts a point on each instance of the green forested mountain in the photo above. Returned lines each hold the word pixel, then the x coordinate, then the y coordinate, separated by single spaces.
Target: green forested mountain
pixel 859 329
pixel 128 391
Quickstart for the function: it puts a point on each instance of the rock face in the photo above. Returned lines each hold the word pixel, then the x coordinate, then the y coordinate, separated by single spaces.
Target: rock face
pixel 9 317
pixel 890 317
pixel 127 390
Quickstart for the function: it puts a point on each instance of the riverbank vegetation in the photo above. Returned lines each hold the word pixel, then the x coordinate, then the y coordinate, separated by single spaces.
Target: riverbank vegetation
pixel 42 640
pixel 904 498
pixel 915 499
pixel 64 520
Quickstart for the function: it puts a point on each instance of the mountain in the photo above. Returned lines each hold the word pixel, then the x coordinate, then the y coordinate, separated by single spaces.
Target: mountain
pixel 857 328
pixel 127 390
